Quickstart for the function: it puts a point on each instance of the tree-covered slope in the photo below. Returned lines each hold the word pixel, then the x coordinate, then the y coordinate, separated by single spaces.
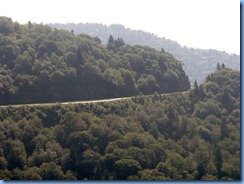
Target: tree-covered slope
pixel 198 63
pixel 181 136
pixel 42 64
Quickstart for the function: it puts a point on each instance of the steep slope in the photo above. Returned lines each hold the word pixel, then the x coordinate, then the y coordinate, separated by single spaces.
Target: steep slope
pixel 187 136
pixel 42 64
pixel 198 63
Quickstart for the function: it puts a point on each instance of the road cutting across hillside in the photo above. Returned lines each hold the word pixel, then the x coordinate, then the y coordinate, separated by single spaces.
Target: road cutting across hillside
pixel 83 102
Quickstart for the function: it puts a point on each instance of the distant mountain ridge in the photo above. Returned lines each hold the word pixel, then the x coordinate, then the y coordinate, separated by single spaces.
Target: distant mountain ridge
pixel 198 63
pixel 40 64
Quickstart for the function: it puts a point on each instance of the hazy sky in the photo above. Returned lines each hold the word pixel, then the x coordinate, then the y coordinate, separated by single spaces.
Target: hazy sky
pixel 195 23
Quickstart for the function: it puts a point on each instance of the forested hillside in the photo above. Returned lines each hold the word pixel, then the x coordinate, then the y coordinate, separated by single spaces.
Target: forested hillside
pixel 198 63
pixel 192 135
pixel 43 64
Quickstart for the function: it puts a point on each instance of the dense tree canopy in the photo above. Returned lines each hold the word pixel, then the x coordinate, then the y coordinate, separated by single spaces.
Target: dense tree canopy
pixel 42 64
pixel 193 135
pixel 198 63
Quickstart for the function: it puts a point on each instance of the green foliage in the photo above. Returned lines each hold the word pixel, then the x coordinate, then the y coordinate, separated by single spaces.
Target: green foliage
pixel 126 167
pixel 198 63
pixel 189 135
pixel 41 64
pixel 16 154
pixel 178 136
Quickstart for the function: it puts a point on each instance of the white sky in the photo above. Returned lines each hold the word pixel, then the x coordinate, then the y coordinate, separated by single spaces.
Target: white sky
pixel 203 24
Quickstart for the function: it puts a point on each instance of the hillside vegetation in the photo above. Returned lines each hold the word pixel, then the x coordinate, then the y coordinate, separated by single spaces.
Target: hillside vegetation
pixel 198 63
pixel 189 136
pixel 43 64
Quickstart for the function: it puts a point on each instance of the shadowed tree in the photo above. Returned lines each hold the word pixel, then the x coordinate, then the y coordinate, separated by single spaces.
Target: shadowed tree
pixel 126 167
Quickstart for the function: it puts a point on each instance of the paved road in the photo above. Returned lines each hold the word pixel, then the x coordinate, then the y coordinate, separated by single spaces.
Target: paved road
pixel 82 102
pixel 66 103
